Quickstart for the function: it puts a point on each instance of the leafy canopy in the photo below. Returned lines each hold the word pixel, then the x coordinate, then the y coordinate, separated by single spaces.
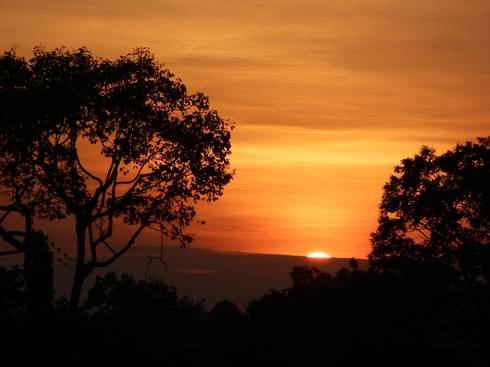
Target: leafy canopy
pixel 436 209
pixel 161 149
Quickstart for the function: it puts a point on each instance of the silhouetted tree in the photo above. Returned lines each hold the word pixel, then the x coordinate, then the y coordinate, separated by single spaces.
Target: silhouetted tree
pixel 226 329
pixel 146 319
pixel 309 279
pixel 353 264
pixel 125 297
pixel 225 316
pixel 158 149
pixel 372 316
pixel 435 216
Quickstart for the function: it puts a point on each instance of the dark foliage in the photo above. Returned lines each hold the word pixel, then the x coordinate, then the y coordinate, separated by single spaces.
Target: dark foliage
pixel 125 298
pixel 358 317
pixel 435 216
pixel 12 293
pixel 352 317
pixel 159 149
pixel 434 227
pixel 38 273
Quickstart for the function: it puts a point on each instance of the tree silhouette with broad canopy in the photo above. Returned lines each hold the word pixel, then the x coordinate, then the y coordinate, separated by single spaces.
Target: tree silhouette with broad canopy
pixel 435 210
pixel 101 140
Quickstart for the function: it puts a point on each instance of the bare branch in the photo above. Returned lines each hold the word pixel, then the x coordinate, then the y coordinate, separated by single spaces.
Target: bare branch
pixel 11 208
pixel 93 250
pixel 11 252
pixel 84 170
pixel 104 235
pixel 135 178
pixel 109 171
pixel 140 170
pixel 125 248
pixel 424 235
pixel 11 240
pixel 109 247
pixel 4 216
pixel 17 233
pixel 102 190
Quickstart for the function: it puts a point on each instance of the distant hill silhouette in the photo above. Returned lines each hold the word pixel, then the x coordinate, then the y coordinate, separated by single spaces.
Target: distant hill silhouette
pixel 209 274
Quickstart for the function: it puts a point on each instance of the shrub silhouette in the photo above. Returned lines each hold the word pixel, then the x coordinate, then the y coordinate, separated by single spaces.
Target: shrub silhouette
pixel 138 315
pixel 362 317
pixel 127 298
pixel 12 293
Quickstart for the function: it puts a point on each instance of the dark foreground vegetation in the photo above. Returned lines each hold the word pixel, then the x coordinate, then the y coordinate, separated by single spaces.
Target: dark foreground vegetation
pixel 351 317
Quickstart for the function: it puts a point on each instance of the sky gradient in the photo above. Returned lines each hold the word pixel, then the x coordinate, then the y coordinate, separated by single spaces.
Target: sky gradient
pixel 327 96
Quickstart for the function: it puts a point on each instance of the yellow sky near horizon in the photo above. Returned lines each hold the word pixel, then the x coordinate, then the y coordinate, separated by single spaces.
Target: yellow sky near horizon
pixel 327 97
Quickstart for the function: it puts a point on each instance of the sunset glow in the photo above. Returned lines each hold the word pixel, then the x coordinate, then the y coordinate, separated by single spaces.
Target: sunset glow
pixel 318 255
pixel 327 97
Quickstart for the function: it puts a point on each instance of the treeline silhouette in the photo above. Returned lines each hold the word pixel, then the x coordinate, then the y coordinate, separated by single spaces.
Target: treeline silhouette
pixel 351 317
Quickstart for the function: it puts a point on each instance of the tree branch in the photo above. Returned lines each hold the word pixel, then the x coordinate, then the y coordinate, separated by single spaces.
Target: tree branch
pixel 102 190
pixel 126 247
pixel 109 247
pixel 104 235
pixel 11 252
pixel 93 250
pixel 11 208
pixel 84 170
pixel 11 240
pixel 148 159
pixel 17 233
pixel 7 212
pixel 47 181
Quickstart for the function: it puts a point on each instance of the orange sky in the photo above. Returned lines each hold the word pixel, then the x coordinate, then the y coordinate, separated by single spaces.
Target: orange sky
pixel 327 96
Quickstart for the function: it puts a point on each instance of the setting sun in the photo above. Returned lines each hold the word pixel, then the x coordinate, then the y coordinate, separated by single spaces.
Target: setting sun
pixel 318 255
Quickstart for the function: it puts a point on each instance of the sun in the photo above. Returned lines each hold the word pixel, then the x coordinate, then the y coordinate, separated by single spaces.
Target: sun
pixel 318 255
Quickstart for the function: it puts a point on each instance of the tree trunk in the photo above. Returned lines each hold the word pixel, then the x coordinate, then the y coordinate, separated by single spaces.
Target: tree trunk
pixel 80 273
pixel 38 272
pixel 76 289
